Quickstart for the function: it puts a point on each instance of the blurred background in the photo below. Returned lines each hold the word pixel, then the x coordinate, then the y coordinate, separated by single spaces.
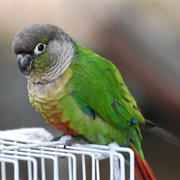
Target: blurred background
pixel 142 38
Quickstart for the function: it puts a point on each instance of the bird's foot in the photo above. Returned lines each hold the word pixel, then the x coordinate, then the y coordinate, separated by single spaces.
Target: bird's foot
pixel 67 140
pixel 76 140
pixel 57 137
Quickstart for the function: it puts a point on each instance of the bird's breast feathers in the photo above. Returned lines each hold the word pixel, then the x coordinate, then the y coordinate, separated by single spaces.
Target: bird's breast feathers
pixel 48 94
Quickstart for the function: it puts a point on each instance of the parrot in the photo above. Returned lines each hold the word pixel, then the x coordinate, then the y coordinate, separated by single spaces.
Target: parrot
pixel 78 92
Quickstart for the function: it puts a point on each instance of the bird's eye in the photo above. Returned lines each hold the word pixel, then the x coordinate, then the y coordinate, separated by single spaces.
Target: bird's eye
pixel 40 48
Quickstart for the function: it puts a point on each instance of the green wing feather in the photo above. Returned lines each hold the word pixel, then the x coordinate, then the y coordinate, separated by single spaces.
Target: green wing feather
pixel 109 97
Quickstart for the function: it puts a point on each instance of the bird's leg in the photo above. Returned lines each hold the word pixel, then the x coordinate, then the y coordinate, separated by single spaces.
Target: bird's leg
pixel 76 140
pixel 57 137
pixel 69 140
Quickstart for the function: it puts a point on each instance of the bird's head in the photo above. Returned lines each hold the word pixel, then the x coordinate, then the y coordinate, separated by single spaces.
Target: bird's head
pixel 43 52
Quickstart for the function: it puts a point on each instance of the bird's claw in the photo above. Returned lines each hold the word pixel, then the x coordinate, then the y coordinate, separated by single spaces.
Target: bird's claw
pixel 57 137
pixel 69 140
pixel 75 140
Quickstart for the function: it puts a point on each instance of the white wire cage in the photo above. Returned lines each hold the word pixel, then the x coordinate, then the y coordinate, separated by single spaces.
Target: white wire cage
pixel 21 158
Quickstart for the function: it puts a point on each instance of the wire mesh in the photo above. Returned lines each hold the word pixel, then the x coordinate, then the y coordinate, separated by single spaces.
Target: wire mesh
pixel 27 159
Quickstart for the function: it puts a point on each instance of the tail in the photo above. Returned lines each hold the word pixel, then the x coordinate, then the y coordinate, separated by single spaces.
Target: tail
pixel 142 168
pixel 160 132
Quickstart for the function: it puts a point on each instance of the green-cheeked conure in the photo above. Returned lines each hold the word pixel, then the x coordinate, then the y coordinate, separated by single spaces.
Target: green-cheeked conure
pixel 79 92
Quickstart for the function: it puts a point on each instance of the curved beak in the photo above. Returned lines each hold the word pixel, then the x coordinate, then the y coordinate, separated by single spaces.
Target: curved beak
pixel 25 63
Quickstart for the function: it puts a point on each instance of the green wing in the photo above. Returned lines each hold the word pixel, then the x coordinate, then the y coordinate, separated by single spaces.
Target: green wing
pixel 100 90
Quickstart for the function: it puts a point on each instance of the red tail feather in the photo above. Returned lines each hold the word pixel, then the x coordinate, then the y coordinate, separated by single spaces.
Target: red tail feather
pixel 142 168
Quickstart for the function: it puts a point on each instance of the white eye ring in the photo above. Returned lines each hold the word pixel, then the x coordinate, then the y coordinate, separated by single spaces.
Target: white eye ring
pixel 40 48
